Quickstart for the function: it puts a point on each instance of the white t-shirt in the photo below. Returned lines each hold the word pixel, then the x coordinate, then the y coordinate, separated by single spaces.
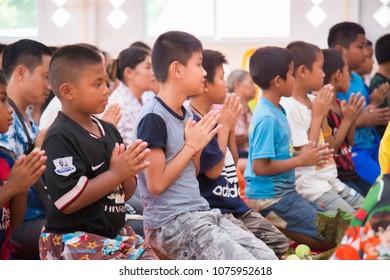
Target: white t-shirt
pixel 50 113
pixel 311 181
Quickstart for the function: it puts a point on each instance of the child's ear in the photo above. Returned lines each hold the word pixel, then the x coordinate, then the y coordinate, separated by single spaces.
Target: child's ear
pixel 66 91
pixel 341 49
pixel 276 81
pixel 206 87
pixel 337 75
pixel 175 69
pixel 301 71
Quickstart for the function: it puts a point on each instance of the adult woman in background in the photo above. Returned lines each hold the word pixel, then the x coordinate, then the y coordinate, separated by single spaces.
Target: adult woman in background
pixel 240 82
pixel 133 69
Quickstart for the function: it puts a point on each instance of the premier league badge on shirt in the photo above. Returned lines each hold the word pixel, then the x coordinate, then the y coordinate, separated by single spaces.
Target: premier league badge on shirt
pixel 64 166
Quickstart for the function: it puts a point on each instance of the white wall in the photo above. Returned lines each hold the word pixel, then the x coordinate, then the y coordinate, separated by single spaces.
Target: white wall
pixel 88 23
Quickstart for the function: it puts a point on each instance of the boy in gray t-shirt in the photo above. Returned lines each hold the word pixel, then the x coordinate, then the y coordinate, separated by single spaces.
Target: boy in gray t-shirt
pixel 178 221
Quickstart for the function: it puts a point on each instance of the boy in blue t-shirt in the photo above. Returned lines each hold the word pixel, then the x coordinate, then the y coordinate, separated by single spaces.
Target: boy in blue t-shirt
pixel 217 178
pixel 350 39
pixel 270 170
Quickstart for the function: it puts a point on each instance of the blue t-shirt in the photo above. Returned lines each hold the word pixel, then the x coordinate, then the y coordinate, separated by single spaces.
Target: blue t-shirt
pixel 222 193
pixel 269 137
pixel 364 137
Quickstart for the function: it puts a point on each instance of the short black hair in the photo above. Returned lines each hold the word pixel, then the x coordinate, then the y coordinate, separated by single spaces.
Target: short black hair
pixel 211 60
pixel 333 61
pixel 382 49
pixel 27 52
pixel 269 62
pixel 93 47
pixel 304 54
pixel 173 46
pixel 344 33
pixel 68 62
pixel 130 57
pixel 141 44
pixel 2 47
pixel 3 81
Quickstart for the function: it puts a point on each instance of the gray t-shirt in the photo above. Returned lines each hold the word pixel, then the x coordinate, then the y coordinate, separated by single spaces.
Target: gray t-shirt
pixel 158 125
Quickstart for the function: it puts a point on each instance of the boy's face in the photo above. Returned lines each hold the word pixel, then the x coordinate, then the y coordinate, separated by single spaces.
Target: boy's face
pixel 288 84
pixel 357 52
pixel 91 91
pixel 36 84
pixel 315 76
pixel 5 110
pixel 218 88
pixel 193 76
pixel 343 79
pixel 142 75
pixel 368 64
pixel 246 89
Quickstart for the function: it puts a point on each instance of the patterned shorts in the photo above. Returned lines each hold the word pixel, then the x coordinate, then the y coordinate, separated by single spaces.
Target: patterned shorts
pixel 81 245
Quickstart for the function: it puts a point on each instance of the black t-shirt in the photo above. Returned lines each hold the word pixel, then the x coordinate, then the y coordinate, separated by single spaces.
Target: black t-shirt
pixel 74 157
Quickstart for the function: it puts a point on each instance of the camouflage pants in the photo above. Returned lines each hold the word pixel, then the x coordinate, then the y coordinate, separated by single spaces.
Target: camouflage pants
pixel 252 221
pixel 206 235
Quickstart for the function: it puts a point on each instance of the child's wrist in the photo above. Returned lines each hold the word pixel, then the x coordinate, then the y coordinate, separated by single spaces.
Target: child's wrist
pixel 327 132
pixel 192 148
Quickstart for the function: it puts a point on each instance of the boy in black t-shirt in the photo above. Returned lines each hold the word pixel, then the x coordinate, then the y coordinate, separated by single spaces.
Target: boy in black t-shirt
pixel 90 174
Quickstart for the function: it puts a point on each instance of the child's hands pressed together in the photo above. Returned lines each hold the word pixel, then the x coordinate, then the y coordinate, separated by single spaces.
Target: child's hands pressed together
pixel 323 102
pixel 375 116
pixel 379 94
pixel 230 111
pixel 27 170
pixel 353 108
pixel 199 134
pixel 312 154
pixel 126 163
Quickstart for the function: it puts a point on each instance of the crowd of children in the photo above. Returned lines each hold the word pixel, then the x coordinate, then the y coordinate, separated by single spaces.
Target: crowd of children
pixel 174 139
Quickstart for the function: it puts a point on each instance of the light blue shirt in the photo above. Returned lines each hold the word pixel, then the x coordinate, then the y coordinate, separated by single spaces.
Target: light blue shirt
pixel 269 137
pixel 15 138
pixel 364 137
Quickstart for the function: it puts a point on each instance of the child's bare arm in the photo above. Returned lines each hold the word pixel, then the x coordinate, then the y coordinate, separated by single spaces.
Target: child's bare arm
pixel 160 174
pixel 379 94
pixel 233 147
pixel 123 166
pixel 372 116
pixel 130 184
pixel 25 172
pixel 307 156
pixel 350 112
pixel 18 209
pixel 230 111
pixel 321 106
